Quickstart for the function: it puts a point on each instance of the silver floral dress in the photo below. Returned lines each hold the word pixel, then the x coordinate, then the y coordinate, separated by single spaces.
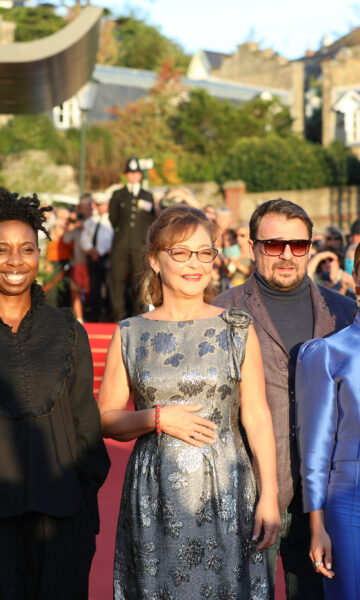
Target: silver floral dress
pixel 186 517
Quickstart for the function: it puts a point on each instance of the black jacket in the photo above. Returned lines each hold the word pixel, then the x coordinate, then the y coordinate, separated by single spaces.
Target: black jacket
pixel 131 217
pixel 52 456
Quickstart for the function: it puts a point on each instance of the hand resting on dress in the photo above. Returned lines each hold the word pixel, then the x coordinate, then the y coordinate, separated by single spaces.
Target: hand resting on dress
pixel 181 421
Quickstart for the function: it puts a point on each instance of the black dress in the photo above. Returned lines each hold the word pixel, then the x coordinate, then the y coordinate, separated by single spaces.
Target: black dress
pixel 52 457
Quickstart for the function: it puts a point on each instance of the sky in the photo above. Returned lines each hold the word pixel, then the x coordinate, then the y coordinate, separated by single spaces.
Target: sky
pixel 288 27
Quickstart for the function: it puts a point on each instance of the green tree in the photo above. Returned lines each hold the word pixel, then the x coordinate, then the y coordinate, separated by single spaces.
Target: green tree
pixel 204 124
pixel 142 46
pixel 33 23
pixel 140 128
pixel 258 117
pixel 207 125
pixel 290 163
pixel 29 132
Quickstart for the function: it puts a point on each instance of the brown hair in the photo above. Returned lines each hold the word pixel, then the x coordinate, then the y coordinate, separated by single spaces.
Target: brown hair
pixel 288 209
pixel 173 225
pixel 357 258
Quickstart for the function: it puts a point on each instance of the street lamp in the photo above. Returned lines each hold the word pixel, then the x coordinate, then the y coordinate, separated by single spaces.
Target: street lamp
pixel 86 98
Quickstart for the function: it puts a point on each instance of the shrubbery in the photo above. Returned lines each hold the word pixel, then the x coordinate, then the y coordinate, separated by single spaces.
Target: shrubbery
pixel 29 132
pixel 275 163
pixel 183 150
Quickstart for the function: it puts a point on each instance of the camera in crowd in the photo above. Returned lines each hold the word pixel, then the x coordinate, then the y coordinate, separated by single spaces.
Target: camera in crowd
pixel 75 217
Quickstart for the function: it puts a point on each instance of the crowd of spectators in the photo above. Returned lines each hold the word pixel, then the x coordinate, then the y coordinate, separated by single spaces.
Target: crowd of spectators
pixel 75 265
pixel 332 260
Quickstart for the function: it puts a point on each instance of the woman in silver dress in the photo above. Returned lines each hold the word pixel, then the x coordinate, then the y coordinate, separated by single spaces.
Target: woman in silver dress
pixel 191 524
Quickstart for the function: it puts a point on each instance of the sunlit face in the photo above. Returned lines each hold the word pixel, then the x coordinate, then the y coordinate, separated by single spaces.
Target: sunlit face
pixel 242 236
pixel 333 241
pixel 102 208
pixel 185 279
pixel 86 209
pixel 62 216
pixel 223 220
pixel 19 258
pixel 133 176
pixel 330 265
pixel 210 212
pixel 284 272
pixel 242 232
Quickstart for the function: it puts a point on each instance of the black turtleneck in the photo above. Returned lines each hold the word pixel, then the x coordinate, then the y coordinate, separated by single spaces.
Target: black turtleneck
pixel 290 311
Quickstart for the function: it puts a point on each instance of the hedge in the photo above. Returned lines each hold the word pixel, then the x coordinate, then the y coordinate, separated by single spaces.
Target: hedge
pixel 275 163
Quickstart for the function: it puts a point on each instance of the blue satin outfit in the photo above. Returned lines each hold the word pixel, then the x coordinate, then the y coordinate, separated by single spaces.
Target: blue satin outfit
pixel 328 428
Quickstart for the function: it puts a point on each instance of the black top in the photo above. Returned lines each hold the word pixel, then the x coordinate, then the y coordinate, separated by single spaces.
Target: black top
pixel 51 451
pixel 291 313
pixel 131 217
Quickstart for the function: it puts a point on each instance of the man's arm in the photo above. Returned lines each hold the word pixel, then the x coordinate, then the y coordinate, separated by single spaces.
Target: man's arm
pixel 113 209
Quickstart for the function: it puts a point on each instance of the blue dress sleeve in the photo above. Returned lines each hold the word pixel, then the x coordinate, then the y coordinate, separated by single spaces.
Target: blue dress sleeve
pixel 316 420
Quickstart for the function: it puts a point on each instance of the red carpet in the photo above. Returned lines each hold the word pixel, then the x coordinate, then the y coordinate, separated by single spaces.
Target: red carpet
pixel 109 497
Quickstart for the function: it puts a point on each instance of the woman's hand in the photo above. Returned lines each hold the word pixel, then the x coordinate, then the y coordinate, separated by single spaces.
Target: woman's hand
pixel 320 551
pixel 267 517
pixel 181 421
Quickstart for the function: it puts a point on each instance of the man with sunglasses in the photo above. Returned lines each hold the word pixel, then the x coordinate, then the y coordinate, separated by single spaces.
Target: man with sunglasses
pixel 287 309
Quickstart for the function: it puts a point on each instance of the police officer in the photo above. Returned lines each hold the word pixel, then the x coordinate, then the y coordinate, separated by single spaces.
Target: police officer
pixel 131 213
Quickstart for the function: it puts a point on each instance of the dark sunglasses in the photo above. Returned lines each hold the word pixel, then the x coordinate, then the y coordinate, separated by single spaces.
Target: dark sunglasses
pixel 329 259
pixel 277 247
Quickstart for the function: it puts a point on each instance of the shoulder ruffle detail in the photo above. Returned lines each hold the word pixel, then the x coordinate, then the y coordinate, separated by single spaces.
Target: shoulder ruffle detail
pixel 57 362
pixel 237 317
pixel 67 364
pixel 237 332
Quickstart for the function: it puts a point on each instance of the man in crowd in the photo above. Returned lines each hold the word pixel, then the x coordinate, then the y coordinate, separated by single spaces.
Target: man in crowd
pixel 131 214
pixel 210 211
pixel 287 309
pixel 354 236
pixel 79 273
pixel 96 240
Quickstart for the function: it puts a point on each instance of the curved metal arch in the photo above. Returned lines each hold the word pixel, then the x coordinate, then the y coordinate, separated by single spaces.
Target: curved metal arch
pixel 37 75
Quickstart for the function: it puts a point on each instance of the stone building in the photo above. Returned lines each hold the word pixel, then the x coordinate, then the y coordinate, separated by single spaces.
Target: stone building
pixel 327 80
pixel 336 68
pixel 120 85
pixel 271 73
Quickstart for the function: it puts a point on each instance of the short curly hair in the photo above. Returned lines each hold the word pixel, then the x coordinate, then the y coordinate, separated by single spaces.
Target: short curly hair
pixel 25 209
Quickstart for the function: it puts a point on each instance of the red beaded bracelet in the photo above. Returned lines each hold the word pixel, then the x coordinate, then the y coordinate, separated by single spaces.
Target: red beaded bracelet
pixel 157 419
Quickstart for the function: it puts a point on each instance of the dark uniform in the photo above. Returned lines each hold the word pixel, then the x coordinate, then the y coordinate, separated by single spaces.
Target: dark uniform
pixel 131 217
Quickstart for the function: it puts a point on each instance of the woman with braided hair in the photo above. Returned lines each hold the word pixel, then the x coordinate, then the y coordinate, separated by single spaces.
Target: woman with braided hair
pixel 52 458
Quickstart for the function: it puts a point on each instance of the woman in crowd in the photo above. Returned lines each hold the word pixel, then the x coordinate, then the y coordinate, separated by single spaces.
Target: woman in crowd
pixel 325 269
pixel 190 524
pixel 52 457
pixel 328 412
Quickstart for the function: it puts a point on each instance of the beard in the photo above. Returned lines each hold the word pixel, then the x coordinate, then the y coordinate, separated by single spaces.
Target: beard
pixel 288 281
